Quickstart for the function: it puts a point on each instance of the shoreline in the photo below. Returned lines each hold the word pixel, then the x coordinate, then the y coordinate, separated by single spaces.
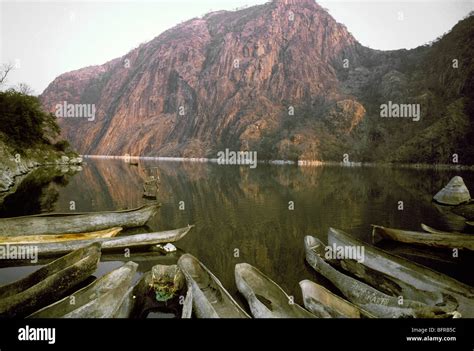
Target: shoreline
pixel 301 163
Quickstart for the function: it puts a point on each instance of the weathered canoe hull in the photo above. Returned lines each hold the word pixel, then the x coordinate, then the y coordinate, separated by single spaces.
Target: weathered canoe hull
pixel 76 223
pixel 49 283
pixel 389 285
pixel 257 287
pixel 366 297
pixel 439 240
pixel 324 304
pixel 101 299
pixel 210 298
pixel 58 238
pixel 432 230
pixel 130 241
pixel 419 253
pixel 128 304
pixel 411 273
pixel 187 311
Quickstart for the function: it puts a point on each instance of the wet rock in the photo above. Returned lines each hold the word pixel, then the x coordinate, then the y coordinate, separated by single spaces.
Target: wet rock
pixel 75 161
pixel 454 193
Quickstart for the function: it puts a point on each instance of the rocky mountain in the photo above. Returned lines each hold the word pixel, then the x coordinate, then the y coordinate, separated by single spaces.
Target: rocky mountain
pixel 284 79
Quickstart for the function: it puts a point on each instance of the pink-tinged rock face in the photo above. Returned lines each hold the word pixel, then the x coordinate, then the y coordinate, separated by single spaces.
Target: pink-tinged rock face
pixel 226 79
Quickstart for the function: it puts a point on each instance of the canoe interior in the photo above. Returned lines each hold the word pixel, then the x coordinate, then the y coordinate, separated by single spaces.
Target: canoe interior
pixel 37 291
pixel 119 278
pixel 325 297
pixel 50 269
pixel 412 273
pixel 367 297
pixel 56 238
pixel 272 300
pixel 115 243
pixel 201 278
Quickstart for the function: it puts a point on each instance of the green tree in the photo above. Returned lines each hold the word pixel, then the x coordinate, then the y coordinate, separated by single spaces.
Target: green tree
pixel 23 120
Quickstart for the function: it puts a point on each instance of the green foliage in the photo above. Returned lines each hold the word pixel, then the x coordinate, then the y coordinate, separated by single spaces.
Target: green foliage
pixel 23 120
pixel 62 145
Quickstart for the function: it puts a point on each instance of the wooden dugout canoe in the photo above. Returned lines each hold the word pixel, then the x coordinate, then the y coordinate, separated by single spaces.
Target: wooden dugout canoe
pixel 210 299
pixel 366 297
pixel 49 283
pixel 324 304
pixel 265 297
pixel 409 272
pixel 419 253
pixel 72 223
pixel 432 230
pixel 123 242
pixel 55 238
pixel 101 299
pixel 440 240
pixel 390 285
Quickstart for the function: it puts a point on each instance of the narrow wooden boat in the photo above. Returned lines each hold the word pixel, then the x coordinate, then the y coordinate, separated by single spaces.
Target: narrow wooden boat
pixel 445 240
pixel 145 256
pixel 265 297
pixel 471 224
pixel 55 238
pixel 210 299
pixel 123 242
pixel 49 283
pixel 390 285
pixel 409 272
pixel 432 230
pixel 419 253
pixel 72 223
pixel 141 291
pixel 101 299
pixel 187 311
pixel 128 304
pixel 324 304
pixel 366 297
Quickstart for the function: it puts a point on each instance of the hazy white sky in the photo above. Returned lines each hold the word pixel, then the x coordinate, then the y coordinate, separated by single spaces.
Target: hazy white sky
pixel 47 38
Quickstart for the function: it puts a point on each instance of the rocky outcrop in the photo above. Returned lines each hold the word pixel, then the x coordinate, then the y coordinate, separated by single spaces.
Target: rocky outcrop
pixel 283 78
pixel 14 165
pixel 221 79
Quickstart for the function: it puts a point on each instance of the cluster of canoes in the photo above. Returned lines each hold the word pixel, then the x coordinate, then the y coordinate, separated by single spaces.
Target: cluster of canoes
pixel 381 286
pixel 60 288
pixel 56 234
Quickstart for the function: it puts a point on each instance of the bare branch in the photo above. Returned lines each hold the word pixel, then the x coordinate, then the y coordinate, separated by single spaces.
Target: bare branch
pixel 24 89
pixel 6 68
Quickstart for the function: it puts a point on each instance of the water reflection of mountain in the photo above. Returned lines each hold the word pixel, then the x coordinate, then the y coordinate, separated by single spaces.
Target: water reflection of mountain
pixel 238 208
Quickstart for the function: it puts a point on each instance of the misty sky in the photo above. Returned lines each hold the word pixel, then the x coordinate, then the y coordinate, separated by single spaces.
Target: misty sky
pixel 45 39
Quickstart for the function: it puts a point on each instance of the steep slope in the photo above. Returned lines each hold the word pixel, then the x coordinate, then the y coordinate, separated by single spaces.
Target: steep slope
pixel 283 78
pixel 232 75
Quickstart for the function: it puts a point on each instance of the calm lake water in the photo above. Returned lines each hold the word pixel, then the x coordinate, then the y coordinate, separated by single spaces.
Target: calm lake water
pixel 237 209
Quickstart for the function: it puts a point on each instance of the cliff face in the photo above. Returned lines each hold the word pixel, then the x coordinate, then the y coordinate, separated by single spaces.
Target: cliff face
pixel 283 78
